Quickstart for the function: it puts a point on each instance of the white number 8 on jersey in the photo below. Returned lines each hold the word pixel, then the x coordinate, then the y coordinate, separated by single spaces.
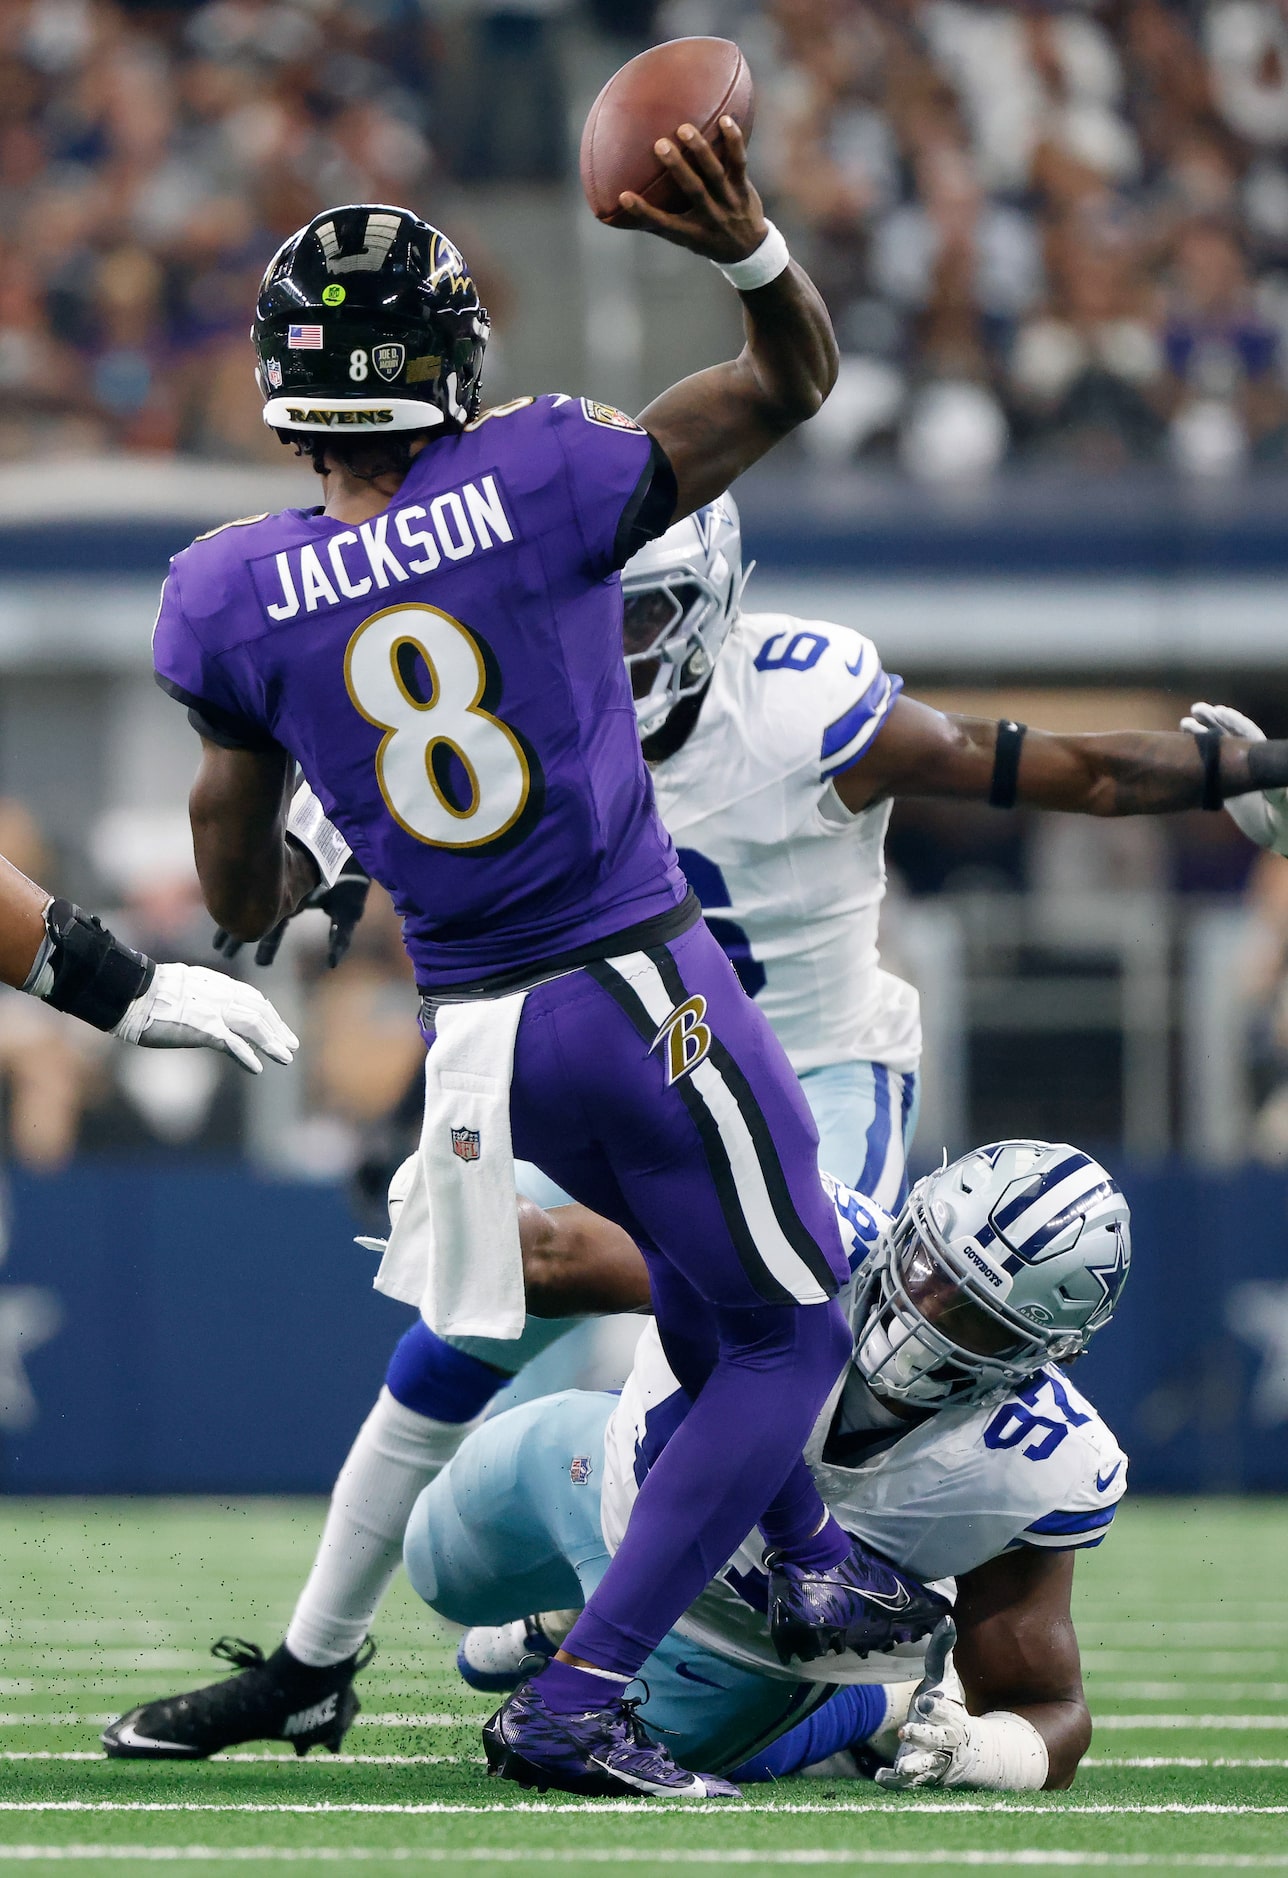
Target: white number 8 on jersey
pixel 421 786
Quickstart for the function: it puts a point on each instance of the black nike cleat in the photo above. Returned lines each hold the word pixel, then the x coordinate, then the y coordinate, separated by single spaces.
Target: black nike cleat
pixel 272 1698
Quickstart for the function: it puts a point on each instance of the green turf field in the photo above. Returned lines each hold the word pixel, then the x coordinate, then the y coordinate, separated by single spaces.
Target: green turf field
pixel 1183 1615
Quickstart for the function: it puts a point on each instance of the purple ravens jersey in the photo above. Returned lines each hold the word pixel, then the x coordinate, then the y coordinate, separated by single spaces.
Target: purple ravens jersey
pixel 449 677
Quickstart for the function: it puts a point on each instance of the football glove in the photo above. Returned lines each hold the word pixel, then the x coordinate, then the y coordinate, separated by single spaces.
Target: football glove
pixel 943 1745
pixel 188 1008
pixel 1263 813
pixel 343 903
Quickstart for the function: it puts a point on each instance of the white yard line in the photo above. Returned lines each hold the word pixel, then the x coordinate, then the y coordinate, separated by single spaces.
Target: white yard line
pixel 1187 1691
pixel 1200 1723
pixel 603 1855
pixel 291 1759
pixel 1173 1760
pixel 890 1808
pixel 437 1720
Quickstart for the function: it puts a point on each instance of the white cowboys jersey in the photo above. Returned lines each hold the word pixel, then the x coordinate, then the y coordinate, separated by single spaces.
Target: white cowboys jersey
pixel 1036 1467
pixel 790 881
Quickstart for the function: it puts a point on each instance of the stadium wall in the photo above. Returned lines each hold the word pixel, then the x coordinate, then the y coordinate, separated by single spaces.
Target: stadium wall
pixel 203 1330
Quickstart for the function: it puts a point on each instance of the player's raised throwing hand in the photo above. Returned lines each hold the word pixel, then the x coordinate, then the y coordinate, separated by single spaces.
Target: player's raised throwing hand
pixel 724 220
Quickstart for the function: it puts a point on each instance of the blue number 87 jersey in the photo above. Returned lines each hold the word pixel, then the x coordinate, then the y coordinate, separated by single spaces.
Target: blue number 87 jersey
pixel 1035 1467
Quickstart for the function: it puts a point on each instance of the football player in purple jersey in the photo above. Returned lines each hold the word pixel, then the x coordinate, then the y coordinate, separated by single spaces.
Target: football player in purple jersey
pixel 438 647
pixel 67 958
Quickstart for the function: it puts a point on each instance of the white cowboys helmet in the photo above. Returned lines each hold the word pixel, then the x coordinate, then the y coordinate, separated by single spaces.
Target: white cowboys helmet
pixel 680 597
pixel 1011 1258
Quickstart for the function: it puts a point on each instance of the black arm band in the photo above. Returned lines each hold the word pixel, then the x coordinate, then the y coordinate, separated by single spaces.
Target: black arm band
pixel 1006 764
pixel 1209 742
pixel 95 977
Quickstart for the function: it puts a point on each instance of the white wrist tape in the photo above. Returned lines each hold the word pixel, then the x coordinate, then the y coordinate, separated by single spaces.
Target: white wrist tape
pixel 770 260
pixel 1002 1752
pixel 309 826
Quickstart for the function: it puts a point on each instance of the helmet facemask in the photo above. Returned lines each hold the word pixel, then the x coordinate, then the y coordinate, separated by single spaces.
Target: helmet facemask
pixel 680 597
pixel 931 1333
pixel 665 626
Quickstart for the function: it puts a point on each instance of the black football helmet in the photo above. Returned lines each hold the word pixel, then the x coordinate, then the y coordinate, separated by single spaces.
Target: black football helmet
pixel 367 322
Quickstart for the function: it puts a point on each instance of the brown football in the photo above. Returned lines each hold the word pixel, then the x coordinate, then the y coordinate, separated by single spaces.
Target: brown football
pixel 685 81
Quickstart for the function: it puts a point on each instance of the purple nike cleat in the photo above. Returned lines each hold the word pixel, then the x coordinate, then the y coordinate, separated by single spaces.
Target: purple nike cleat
pixel 602 1752
pixel 862 1604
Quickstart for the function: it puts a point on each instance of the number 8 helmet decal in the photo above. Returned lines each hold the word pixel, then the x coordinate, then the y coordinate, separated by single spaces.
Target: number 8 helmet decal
pixel 1012 1257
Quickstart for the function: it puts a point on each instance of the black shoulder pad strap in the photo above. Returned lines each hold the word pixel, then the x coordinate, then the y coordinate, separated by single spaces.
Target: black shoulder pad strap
pixel 651 508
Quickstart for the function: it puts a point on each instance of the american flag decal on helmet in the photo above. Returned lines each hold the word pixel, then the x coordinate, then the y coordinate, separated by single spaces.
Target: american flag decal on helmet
pixel 466 1144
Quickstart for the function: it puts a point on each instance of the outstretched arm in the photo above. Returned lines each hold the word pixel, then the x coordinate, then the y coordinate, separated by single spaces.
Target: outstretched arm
pixel 22 923
pixel 52 950
pixel 1017 1650
pixel 718 423
pixel 1013 1716
pixel 923 752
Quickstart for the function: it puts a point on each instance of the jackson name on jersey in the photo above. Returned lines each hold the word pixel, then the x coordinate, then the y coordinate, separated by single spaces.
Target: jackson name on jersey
pixel 790 880
pixel 1036 1467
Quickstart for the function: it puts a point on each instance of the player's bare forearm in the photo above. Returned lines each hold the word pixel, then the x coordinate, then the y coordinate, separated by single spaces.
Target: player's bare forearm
pixel 719 422
pixel 576 1264
pixel 22 923
pixel 1017 1650
pixel 923 752
pixel 251 878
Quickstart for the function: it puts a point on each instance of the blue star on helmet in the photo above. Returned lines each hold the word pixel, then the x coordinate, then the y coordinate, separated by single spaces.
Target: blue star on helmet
pixel 1112 1276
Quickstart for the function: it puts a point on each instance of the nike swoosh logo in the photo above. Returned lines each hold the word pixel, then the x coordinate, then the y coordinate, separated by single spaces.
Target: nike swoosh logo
pixel 691 1675
pixel 128 1737
pixel 856 668
pixel 899 1602
pixel 1102 1484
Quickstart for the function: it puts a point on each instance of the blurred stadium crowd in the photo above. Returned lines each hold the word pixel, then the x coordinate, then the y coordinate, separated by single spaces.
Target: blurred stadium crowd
pixel 1049 233
pixel 1051 230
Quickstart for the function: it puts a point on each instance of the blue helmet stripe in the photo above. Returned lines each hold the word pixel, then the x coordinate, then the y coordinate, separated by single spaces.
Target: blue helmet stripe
pixel 1044 1184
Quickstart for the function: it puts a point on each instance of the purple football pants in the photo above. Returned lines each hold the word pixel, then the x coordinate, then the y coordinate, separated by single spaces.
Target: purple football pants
pixel 654 1091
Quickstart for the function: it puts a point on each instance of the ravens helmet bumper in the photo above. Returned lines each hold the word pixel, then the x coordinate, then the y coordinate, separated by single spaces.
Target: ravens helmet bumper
pixel 368 322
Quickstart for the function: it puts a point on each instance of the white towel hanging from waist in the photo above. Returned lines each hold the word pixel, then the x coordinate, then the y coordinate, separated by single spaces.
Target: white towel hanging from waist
pixel 454 1249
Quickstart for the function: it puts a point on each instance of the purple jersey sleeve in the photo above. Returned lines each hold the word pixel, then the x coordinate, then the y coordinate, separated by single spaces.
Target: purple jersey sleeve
pixel 206 684
pixel 622 485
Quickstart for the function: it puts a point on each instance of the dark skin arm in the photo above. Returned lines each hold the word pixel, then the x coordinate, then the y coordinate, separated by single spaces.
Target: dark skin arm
pixel 576 1264
pixel 923 752
pixel 718 423
pixel 1016 1650
pixel 22 923
pixel 250 877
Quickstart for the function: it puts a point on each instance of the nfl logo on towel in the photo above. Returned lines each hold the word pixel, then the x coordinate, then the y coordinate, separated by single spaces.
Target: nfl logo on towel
pixel 580 1469
pixel 465 1144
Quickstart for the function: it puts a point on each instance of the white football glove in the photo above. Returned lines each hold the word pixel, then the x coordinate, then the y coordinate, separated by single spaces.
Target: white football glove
pixel 188 1008
pixel 1263 813
pixel 942 1745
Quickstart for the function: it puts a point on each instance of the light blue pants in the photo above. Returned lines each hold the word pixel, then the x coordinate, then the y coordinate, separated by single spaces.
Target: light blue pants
pixel 512 1526
pixel 866 1116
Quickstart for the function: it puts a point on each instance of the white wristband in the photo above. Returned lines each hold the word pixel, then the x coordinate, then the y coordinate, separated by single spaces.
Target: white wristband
pixel 770 260
pixel 307 824
pixel 1003 1753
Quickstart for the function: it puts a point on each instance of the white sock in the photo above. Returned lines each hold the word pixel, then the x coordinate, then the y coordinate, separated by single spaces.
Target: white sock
pixel 395 1456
